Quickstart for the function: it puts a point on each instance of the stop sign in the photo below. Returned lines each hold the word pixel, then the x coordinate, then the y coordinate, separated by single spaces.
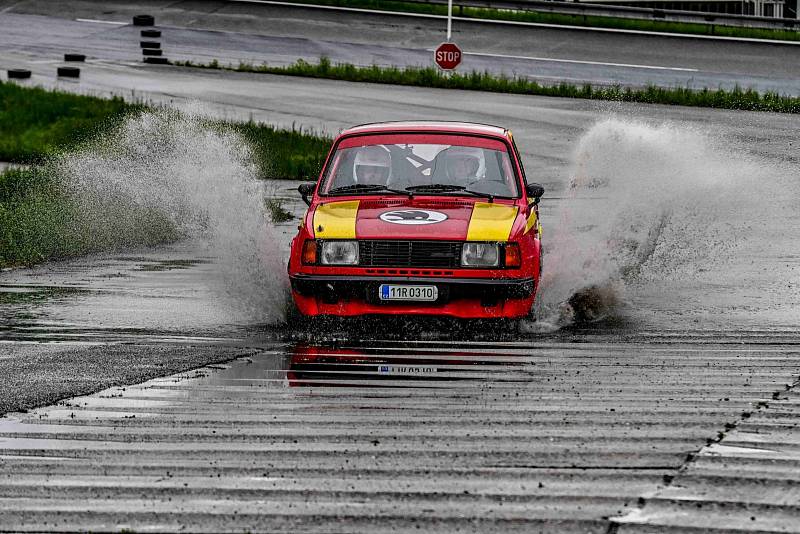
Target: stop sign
pixel 447 56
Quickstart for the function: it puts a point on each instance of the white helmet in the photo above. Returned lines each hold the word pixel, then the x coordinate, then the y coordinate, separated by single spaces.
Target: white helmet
pixel 464 164
pixel 372 165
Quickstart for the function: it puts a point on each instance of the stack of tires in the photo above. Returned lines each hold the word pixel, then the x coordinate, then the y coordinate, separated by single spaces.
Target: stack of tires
pixel 150 45
pixel 151 48
pixel 64 71
pixel 69 71
pixel 18 74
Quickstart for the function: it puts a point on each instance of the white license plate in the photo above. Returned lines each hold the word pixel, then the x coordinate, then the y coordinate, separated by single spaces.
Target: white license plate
pixel 406 370
pixel 404 292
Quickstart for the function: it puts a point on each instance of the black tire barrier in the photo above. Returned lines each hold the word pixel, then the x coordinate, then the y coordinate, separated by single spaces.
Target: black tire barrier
pixel 149 44
pixel 151 33
pixel 18 74
pixel 69 72
pixel 144 20
pixel 74 57
pixel 156 60
pixel 152 51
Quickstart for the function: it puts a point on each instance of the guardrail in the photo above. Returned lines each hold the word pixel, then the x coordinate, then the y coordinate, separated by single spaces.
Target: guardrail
pixel 602 10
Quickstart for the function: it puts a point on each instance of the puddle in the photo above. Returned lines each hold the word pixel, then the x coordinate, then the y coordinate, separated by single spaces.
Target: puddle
pixel 170 265
pixel 24 294
pixel 330 366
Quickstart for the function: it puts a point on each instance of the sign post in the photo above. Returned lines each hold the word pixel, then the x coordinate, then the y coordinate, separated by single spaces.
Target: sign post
pixel 447 55
pixel 449 19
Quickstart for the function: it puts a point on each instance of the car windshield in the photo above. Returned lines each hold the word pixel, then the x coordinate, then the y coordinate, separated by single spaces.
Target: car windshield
pixel 423 168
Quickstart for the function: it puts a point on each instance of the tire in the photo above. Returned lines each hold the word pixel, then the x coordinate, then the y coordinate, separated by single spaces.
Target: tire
pixel 144 20
pixel 483 329
pixel 541 262
pixel 149 44
pixel 294 319
pixel 74 57
pixel 156 60
pixel 152 51
pixel 151 33
pixel 69 72
pixel 18 74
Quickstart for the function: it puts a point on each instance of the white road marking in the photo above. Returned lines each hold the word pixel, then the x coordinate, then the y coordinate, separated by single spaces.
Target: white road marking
pixel 103 22
pixel 519 23
pixel 581 62
pixel 9 8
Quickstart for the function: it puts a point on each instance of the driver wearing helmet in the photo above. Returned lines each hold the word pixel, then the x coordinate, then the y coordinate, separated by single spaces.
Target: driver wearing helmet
pixel 464 165
pixel 372 166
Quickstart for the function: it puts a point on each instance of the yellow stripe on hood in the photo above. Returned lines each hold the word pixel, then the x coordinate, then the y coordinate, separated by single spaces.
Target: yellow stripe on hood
pixel 336 220
pixel 491 222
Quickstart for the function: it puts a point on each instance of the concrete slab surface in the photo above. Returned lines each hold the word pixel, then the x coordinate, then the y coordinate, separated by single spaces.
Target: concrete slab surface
pixel 519 443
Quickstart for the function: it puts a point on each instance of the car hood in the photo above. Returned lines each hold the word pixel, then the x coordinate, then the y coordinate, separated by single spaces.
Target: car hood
pixel 414 218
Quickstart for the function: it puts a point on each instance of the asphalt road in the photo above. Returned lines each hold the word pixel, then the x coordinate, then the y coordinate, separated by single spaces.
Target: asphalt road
pixel 677 413
pixel 233 32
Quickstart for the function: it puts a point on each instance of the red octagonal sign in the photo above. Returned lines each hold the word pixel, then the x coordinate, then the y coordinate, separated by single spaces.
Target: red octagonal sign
pixel 447 56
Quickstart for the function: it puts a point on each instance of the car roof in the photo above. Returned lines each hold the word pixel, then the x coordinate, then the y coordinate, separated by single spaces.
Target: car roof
pixel 468 128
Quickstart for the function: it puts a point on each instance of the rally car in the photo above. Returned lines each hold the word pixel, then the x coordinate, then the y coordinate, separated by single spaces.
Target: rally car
pixel 419 218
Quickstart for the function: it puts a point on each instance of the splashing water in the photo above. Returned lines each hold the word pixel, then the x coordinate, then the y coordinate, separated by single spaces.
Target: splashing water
pixel 663 207
pixel 653 215
pixel 166 174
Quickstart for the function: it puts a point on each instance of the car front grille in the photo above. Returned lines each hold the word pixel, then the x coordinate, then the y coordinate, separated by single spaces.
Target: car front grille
pixel 400 253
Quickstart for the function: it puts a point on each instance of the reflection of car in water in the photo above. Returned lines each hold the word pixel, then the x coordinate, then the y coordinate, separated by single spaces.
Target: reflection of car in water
pixel 354 367
pixel 419 219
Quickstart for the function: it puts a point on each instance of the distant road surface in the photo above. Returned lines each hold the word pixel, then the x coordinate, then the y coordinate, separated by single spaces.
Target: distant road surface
pixel 234 32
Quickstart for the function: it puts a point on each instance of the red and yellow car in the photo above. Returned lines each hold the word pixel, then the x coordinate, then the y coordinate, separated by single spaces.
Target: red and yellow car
pixel 419 218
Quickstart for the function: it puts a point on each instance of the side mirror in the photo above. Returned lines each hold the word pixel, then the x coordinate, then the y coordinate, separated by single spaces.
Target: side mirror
pixel 534 191
pixel 305 190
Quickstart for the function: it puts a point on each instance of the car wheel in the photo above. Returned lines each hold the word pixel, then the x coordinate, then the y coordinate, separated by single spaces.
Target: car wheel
pixel 293 317
pixel 541 261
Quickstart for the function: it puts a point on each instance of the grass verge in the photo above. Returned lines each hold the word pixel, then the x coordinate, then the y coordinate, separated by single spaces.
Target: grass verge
pixel 36 121
pixel 293 154
pixel 41 220
pixel 593 21
pixel 277 213
pixel 737 98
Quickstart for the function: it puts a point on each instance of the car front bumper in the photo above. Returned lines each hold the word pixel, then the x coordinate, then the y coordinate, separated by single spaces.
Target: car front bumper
pixel 457 297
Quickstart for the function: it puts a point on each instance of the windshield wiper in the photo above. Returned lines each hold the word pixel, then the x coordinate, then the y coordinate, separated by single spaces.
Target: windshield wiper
pixel 367 188
pixel 446 188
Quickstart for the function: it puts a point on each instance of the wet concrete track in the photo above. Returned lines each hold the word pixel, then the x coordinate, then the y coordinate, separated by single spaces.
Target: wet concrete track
pixel 679 413
pixel 623 426
pixel 516 436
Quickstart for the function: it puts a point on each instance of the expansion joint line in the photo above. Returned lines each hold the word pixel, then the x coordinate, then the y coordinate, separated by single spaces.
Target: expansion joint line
pixel 613 525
